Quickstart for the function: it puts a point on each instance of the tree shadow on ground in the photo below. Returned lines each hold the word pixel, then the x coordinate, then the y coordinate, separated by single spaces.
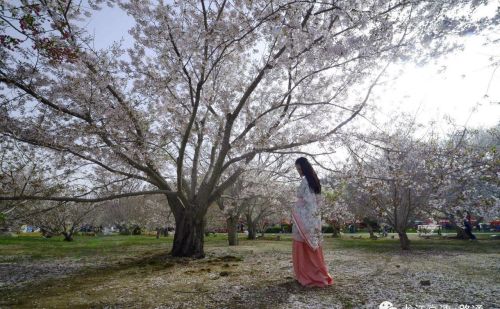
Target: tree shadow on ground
pixel 145 263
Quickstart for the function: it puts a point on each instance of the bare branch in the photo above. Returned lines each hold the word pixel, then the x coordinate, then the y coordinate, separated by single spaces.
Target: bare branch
pixel 84 200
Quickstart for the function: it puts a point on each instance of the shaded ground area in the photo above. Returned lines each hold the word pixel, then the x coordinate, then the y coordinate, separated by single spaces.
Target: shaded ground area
pixel 133 272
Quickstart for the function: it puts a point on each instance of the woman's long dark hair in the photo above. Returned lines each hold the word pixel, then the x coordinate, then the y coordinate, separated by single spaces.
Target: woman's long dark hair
pixel 310 174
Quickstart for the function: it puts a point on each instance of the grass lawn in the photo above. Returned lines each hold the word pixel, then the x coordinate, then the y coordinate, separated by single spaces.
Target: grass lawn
pixel 135 271
pixel 83 246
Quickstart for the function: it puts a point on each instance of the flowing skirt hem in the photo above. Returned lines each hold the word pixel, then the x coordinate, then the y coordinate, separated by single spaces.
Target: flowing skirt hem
pixel 309 265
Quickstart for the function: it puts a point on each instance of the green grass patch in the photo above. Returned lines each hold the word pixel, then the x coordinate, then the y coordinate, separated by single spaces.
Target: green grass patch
pixel 38 247
pixel 483 245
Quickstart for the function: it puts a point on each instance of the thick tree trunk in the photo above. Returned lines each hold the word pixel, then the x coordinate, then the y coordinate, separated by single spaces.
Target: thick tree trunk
pixel 252 231
pixel 189 234
pixel 370 230
pixel 68 236
pixel 461 233
pixel 252 228
pixel 45 233
pixel 336 231
pixel 4 228
pixel 404 241
pixel 370 223
pixel 232 230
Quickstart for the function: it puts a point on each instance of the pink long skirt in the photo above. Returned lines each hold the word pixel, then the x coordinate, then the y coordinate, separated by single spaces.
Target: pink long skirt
pixel 309 266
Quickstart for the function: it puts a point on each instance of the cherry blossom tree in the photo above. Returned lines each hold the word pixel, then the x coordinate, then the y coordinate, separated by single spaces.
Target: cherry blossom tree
pixel 388 178
pixel 148 213
pixel 335 210
pixel 349 203
pixel 25 172
pixel 206 87
pixel 465 171
pixel 216 221
pixel 398 175
pixel 61 218
pixel 266 205
pixel 232 205
pixel 257 194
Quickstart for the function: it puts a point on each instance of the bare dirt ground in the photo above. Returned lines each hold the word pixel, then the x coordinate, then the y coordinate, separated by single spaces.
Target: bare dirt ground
pixel 255 274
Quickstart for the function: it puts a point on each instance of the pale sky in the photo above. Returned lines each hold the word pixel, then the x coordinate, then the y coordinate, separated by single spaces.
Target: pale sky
pixel 459 91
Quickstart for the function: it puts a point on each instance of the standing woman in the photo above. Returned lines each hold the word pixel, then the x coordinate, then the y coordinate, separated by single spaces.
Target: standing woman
pixel 308 262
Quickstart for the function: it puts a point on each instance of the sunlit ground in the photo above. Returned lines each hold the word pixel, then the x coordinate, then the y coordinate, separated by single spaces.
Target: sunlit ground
pixel 134 271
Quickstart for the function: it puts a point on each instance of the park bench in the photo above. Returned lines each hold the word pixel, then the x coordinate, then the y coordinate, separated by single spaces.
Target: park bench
pixel 427 230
